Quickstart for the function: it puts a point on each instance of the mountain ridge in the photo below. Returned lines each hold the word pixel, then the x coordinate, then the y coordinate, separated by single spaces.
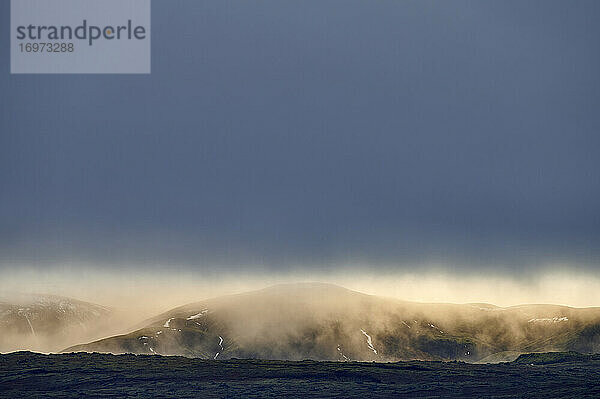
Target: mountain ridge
pixel 328 322
pixel 47 322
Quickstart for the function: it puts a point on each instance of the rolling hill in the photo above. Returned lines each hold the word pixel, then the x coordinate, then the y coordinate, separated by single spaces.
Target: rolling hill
pixel 48 322
pixel 327 322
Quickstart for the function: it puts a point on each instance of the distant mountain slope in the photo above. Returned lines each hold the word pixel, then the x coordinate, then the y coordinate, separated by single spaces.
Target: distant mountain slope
pixel 326 322
pixel 47 322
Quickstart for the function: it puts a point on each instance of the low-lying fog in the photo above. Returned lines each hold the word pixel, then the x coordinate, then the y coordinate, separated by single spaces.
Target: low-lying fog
pixel 132 296
pixel 147 292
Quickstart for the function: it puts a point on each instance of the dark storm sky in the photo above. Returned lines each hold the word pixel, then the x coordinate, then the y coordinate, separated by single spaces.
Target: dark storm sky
pixel 315 133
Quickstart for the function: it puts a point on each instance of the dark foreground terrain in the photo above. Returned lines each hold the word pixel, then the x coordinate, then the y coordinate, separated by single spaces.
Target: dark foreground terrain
pixel 25 374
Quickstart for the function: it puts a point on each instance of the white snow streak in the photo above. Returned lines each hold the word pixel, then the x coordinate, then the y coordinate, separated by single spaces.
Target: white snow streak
pixel 30 326
pixel 199 315
pixel 342 353
pixel 551 320
pixel 221 345
pixel 369 341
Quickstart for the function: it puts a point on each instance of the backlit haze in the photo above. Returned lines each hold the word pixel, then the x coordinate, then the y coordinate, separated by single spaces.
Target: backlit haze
pixel 425 151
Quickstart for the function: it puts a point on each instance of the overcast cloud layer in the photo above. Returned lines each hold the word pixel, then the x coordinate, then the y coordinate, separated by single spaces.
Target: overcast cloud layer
pixel 313 134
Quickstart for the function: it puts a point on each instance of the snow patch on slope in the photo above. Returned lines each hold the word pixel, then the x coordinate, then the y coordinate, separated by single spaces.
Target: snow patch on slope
pixel 199 315
pixel 342 353
pixel 369 341
pixel 168 322
pixel 549 320
pixel 221 345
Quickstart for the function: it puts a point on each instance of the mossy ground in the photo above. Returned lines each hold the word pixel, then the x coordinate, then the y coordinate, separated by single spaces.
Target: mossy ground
pixel 128 376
